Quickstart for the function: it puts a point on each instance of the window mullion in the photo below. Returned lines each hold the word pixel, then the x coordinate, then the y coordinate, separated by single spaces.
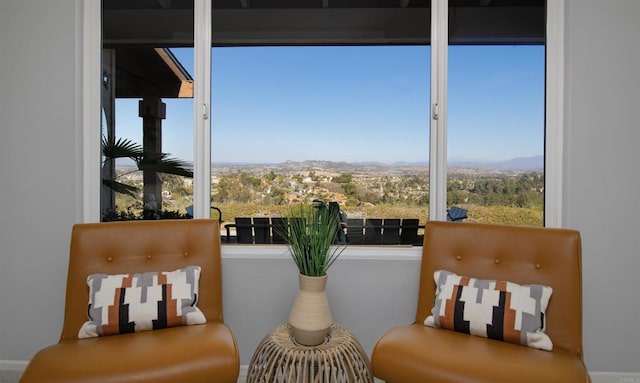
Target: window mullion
pixel 202 109
pixel 438 122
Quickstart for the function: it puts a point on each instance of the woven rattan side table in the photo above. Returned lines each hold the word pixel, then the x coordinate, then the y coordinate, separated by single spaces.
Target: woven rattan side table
pixel 279 359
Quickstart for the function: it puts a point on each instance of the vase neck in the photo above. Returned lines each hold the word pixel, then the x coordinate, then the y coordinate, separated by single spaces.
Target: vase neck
pixel 313 284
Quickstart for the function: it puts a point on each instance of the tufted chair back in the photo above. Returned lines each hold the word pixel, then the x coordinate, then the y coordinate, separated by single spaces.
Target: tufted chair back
pixel 141 246
pixel 523 255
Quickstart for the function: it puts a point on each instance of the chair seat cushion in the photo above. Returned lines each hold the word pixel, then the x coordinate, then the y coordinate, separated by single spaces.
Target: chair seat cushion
pixel 416 353
pixel 202 353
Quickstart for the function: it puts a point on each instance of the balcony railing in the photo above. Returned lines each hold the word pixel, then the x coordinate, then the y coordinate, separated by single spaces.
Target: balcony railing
pixel 358 231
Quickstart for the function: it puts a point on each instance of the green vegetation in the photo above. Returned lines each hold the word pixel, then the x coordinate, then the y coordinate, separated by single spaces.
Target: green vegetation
pixel 138 203
pixel 177 195
pixel 113 148
pixel 498 197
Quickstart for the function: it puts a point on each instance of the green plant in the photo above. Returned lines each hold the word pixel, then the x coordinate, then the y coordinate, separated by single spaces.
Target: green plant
pixel 128 215
pixel 147 161
pixel 113 148
pixel 311 234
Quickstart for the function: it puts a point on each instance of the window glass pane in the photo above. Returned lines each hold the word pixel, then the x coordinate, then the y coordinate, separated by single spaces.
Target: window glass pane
pixel 496 128
pixel 147 125
pixel 345 124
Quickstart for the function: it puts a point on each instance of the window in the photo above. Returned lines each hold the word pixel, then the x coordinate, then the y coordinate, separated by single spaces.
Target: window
pixel 495 113
pixel 344 124
pixel 147 103
pixel 334 34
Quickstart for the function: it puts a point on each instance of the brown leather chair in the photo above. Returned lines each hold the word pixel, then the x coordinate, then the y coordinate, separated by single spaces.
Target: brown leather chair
pixel 197 353
pixel 417 353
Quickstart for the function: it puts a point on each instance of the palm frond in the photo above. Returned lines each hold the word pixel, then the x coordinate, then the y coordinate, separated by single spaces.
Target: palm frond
pixel 119 187
pixel 120 148
pixel 163 163
pixel 113 148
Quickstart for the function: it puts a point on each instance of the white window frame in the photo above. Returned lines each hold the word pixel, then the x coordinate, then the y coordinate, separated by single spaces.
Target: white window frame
pixel 554 107
pixel 438 119
pixel 91 69
pixel 202 109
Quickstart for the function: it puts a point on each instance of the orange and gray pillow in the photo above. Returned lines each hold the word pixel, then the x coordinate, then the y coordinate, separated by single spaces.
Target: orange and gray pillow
pixel 492 309
pixel 125 303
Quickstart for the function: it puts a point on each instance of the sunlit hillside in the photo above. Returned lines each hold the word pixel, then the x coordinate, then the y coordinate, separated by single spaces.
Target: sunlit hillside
pixel 362 191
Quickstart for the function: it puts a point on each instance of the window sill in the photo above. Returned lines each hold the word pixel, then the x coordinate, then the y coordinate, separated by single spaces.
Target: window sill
pixel 378 253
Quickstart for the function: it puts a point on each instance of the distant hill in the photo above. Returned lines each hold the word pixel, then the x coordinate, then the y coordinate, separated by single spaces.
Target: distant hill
pixel 520 163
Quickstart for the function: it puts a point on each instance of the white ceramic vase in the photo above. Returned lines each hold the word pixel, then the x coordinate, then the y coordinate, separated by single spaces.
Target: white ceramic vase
pixel 310 317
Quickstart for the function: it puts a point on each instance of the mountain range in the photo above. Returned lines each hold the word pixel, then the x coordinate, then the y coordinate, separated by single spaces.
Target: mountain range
pixel 519 163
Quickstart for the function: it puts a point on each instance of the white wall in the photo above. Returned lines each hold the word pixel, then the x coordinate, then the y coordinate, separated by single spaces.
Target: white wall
pixel 39 168
pixel 367 295
pixel 40 195
pixel 602 196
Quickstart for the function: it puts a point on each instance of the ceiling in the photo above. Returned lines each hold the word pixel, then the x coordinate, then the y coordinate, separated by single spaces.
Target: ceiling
pixel 273 4
pixel 149 72
pixel 321 22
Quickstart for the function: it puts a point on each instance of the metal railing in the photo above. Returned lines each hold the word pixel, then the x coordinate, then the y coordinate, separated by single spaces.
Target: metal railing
pixel 359 231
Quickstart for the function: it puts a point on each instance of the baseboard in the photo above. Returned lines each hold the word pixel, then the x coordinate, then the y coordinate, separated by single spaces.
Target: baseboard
pixel 13 365
pixel 242 378
pixel 596 377
pixel 615 377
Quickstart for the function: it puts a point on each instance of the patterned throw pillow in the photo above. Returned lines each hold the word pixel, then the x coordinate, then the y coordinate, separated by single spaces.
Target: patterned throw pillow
pixel 125 303
pixel 492 309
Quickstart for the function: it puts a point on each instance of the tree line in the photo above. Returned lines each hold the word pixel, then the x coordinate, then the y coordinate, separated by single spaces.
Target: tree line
pixel 520 190
pixel 488 197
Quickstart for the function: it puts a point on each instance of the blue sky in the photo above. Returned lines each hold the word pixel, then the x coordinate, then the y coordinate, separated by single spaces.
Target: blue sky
pixel 272 104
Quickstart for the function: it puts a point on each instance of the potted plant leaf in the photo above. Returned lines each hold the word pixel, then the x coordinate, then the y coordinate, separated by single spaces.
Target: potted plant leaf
pixel 312 233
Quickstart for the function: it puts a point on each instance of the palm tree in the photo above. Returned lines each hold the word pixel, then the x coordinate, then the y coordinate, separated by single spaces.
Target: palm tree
pixel 145 161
